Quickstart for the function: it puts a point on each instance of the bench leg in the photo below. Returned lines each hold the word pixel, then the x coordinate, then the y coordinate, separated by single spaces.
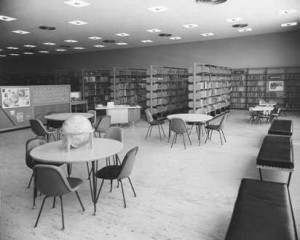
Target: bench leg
pixel 260 174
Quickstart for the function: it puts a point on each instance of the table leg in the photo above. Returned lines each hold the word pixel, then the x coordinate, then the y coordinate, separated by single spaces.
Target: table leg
pixel 199 132
pixel 93 185
pixel 169 130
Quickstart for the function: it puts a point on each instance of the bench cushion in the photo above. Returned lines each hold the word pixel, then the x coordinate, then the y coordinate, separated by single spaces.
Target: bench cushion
pixel 262 211
pixel 276 151
pixel 281 127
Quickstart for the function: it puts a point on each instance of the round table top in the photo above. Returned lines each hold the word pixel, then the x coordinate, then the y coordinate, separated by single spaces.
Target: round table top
pixel 191 117
pixel 64 116
pixel 55 152
pixel 262 108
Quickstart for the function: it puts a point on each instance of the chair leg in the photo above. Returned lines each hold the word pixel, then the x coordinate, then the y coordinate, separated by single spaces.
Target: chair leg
pixel 99 190
pixel 260 174
pixel 189 138
pixel 223 135
pixel 175 135
pixel 183 141
pixel 88 170
pixel 162 130
pixel 220 137
pixel 159 132
pixel 79 201
pixel 290 175
pixel 148 131
pixel 123 193
pixel 54 198
pixel 207 136
pixel 131 186
pixel 111 184
pixel 62 212
pixel 30 181
pixel 41 209
pixel 69 169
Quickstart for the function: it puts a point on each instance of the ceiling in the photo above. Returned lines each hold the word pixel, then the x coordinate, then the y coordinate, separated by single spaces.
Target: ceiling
pixel 106 18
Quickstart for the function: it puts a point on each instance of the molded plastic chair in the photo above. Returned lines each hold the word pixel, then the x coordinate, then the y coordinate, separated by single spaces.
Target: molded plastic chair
pixel 253 115
pixel 118 172
pixel 103 125
pixel 51 181
pixel 94 119
pixel 217 127
pixel 152 123
pixel 264 116
pixel 39 129
pixel 115 133
pixel 275 114
pixel 178 126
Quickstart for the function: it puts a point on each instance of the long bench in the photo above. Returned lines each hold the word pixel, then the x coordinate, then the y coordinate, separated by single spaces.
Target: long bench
pixel 262 211
pixel 281 127
pixel 276 153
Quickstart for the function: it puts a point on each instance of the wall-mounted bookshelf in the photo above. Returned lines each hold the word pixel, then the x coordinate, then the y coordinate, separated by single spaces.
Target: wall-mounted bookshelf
pixel 129 86
pixel 238 98
pixel 167 90
pixel 209 88
pixel 96 86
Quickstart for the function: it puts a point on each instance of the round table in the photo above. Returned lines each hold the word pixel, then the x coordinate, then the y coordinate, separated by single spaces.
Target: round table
pixel 260 108
pixel 196 118
pixel 55 152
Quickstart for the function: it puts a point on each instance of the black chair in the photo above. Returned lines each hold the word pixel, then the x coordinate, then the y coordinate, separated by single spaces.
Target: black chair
pixel 217 127
pixel 118 172
pixel 152 123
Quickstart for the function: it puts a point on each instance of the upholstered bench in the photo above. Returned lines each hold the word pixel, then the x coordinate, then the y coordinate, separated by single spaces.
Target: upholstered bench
pixel 276 153
pixel 262 211
pixel 281 127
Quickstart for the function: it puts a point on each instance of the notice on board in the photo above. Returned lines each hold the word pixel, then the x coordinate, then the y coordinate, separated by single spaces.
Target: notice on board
pixel 15 97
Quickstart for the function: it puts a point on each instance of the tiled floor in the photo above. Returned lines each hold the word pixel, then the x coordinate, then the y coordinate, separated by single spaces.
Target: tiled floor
pixel 181 194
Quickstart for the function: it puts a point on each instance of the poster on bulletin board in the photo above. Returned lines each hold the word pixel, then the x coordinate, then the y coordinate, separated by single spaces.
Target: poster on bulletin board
pixel 15 97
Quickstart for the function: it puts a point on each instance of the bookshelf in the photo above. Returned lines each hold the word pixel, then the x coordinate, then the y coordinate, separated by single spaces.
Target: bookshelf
pixel 292 88
pixel 73 78
pixel 167 90
pixel 238 98
pixel 128 86
pixel 96 86
pixel 209 88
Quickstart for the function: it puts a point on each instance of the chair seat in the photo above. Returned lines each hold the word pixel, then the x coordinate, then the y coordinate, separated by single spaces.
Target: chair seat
pixel 157 122
pixel 212 127
pixel 75 183
pixel 109 172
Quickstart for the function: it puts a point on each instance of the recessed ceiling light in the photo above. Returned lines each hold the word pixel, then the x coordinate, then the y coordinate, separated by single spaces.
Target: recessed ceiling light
pixel 99 46
pixel 287 11
pixel 28 53
pixel 20 32
pixel 122 34
pixel 165 34
pixel 233 20
pixel 12 48
pixel 60 50
pixel 1 55
pixel 29 46
pixel 157 9
pixel 70 41
pixel 47 28
pixel 146 41
pixel 79 48
pixel 42 51
pixel 245 29
pixel 95 38
pixel 77 22
pixel 211 1
pixel 77 3
pixel 241 25
pixel 154 30
pixel 121 43
pixel 108 41
pixel 14 54
pixel 7 18
pixel 289 24
pixel 191 25
pixel 207 34
pixel 175 38
pixel 49 43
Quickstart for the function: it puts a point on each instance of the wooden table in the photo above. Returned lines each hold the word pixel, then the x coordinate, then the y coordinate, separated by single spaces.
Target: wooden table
pixel 54 152
pixel 191 118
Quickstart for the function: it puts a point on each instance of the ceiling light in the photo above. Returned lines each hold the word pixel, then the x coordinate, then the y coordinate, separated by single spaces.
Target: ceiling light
pixel 233 20
pixel 146 41
pixel 70 41
pixel 157 9
pixel 121 43
pixel 122 34
pixel 289 24
pixel 6 18
pixel 191 25
pixel 60 50
pixel 287 11
pixel 14 54
pixel 175 38
pixel 28 53
pixel 207 34
pixel 77 3
pixel 12 48
pixel 154 30
pixel 20 32
pixel 49 43
pixel 211 1
pixel 99 46
pixel 95 38
pixel 29 46
pixel 42 51
pixel 77 22
pixel 245 29
pixel 79 48
pixel 165 34
pixel 1 55
pixel 47 28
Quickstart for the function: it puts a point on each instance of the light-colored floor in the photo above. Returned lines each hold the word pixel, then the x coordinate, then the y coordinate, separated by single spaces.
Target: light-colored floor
pixel 181 194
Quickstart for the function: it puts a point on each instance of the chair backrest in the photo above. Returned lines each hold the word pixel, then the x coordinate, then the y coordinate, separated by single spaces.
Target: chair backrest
pixel 31 144
pixel 94 116
pixel 38 128
pixel 127 164
pixel 201 111
pixel 149 115
pixel 104 124
pixel 178 125
pixel 222 122
pixel 50 180
pixel 115 133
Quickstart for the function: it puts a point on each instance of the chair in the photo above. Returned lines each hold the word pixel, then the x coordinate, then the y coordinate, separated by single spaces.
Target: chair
pixel 60 185
pixel 192 124
pixel 118 172
pixel 178 126
pixel 217 127
pixel 103 125
pixel 94 119
pixel 39 129
pixel 152 123
pixel 275 114
pixel 253 115
pixel 263 116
